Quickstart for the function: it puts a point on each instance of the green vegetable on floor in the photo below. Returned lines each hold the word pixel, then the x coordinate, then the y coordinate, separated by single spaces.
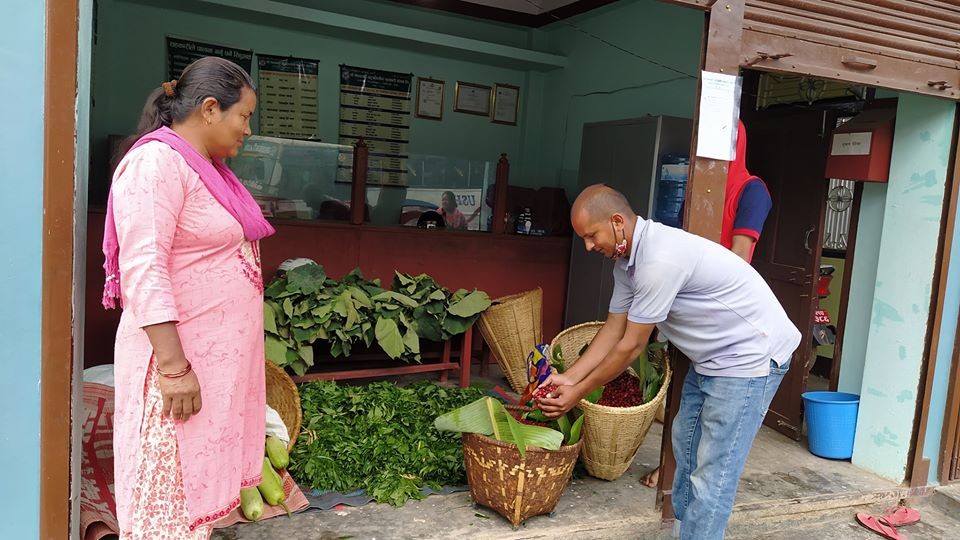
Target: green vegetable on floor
pixel 277 453
pixel 271 487
pixel 378 437
pixel 251 503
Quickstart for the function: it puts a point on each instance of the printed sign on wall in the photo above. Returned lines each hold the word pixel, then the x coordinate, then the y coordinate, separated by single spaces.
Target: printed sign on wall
pixel 375 105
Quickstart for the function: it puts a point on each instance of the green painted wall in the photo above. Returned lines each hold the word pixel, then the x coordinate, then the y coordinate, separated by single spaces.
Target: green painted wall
pixel 604 83
pixel 543 149
pixel 122 80
pixel 902 293
pixel 862 286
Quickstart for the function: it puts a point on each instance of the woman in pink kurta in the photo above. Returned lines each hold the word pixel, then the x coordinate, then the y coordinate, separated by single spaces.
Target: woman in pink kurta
pixel 181 243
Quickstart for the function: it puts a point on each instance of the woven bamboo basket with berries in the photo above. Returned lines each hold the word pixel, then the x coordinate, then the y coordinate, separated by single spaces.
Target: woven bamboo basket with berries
pixel 611 435
pixel 511 327
pixel 517 488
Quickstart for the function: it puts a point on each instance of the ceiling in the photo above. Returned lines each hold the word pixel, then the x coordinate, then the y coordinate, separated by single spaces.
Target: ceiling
pixel 533 7
pixel 533 13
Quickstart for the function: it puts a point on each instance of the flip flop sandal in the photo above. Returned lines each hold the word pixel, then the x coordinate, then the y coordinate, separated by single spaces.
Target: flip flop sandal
pixel 901 515
pixel 878 525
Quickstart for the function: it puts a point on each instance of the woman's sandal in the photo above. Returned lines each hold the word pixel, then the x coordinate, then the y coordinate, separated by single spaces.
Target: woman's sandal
pixel 878 525
pixel 901 515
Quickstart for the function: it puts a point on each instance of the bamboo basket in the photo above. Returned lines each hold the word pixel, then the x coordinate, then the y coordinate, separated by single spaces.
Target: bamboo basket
pixel 611 435
pixel 516 488
pixel 512 327
pixel 283 397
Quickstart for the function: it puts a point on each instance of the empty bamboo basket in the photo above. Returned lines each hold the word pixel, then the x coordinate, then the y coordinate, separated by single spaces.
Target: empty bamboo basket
pixel 512 327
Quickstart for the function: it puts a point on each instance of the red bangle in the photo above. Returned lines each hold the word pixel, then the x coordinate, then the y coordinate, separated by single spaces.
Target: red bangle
pixel 178 374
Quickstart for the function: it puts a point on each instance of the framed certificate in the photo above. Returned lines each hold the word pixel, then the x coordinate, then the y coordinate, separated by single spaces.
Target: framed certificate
pixel 506 102
pixel 472 99
pixel 429 98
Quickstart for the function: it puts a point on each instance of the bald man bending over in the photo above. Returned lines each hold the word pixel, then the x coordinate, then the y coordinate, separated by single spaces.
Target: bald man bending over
pixel 719 312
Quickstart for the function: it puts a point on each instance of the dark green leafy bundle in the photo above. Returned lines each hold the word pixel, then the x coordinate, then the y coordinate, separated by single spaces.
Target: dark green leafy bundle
pixel 305 305
pixel 378 437
pixel 438 315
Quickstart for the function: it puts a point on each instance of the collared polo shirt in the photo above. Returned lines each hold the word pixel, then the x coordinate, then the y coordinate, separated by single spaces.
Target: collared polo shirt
pixel 706 300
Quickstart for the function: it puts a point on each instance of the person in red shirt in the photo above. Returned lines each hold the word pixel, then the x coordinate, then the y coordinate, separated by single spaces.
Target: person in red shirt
pixel 452 216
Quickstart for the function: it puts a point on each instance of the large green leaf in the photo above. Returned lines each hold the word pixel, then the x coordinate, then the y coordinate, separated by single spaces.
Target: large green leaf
pixel 575 430
pixel 429 328
pixel 402 298
pixel 388 337
pixel 594 396
pixel 269 318
pixel 455 325
pixel 361 297
pixel 306 353
pixel 412 341
pixel 275 350
pixel 471 304
pixel 307 278
pixel 487 416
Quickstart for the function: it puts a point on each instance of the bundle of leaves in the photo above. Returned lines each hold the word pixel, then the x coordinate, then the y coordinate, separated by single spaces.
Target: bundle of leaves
pixel 304 305
pixel 378 437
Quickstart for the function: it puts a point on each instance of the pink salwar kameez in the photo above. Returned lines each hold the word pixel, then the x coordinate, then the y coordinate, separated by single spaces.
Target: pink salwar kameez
pixel 184 258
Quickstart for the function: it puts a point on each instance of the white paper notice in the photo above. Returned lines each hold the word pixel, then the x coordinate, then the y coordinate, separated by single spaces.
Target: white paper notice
pixel 716 138
pixel 851 144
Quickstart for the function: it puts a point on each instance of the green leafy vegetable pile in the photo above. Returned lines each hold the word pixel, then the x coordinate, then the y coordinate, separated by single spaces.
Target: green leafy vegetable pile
pixel 305 305
pixel 378 437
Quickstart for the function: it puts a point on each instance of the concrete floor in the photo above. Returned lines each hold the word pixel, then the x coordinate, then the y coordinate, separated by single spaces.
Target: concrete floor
pixel 785 493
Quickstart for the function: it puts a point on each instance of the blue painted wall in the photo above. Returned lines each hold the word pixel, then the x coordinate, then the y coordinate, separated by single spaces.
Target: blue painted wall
pixel 901 299
pixel 21 152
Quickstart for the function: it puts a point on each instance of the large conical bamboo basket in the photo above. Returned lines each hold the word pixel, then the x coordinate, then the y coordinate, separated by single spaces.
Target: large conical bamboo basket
pixel 611 435
pixel 512 327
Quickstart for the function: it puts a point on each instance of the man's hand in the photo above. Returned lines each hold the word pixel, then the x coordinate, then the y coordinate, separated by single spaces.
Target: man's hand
pixel 561 400
pixel 558 379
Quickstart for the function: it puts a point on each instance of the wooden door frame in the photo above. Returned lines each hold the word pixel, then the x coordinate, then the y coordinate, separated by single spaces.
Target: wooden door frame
pixel 950 437
pixel 703 210
pixel 57 281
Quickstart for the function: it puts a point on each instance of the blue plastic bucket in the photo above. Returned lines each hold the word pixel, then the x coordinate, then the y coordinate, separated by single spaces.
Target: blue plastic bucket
pixel 831 423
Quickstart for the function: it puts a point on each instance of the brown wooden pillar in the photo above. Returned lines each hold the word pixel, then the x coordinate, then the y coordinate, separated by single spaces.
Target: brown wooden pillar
pixel 358 192
pixel 500 195
pixel 56 349
pixel 704 205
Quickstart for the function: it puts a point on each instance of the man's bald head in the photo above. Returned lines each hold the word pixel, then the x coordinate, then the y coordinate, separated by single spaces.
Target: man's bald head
pixel 599 202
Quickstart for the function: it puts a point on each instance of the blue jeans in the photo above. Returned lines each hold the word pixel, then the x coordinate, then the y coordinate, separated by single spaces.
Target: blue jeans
pixel 712 434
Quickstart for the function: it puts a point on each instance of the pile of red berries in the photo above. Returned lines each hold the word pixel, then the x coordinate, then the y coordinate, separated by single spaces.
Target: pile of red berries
pixel 624 391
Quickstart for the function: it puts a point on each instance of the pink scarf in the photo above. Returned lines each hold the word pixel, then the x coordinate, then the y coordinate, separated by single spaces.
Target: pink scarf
pixel 219 180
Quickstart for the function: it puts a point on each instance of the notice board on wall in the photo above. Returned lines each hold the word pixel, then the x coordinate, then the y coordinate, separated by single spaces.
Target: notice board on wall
pixel 375 105
pixel 287 93
pixel 182 52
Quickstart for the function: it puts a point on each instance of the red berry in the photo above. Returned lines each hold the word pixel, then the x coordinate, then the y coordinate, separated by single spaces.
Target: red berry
pixel 624 391
pixel 541 393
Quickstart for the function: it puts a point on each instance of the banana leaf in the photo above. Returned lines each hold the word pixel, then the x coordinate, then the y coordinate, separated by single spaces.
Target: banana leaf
pixel 487 416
